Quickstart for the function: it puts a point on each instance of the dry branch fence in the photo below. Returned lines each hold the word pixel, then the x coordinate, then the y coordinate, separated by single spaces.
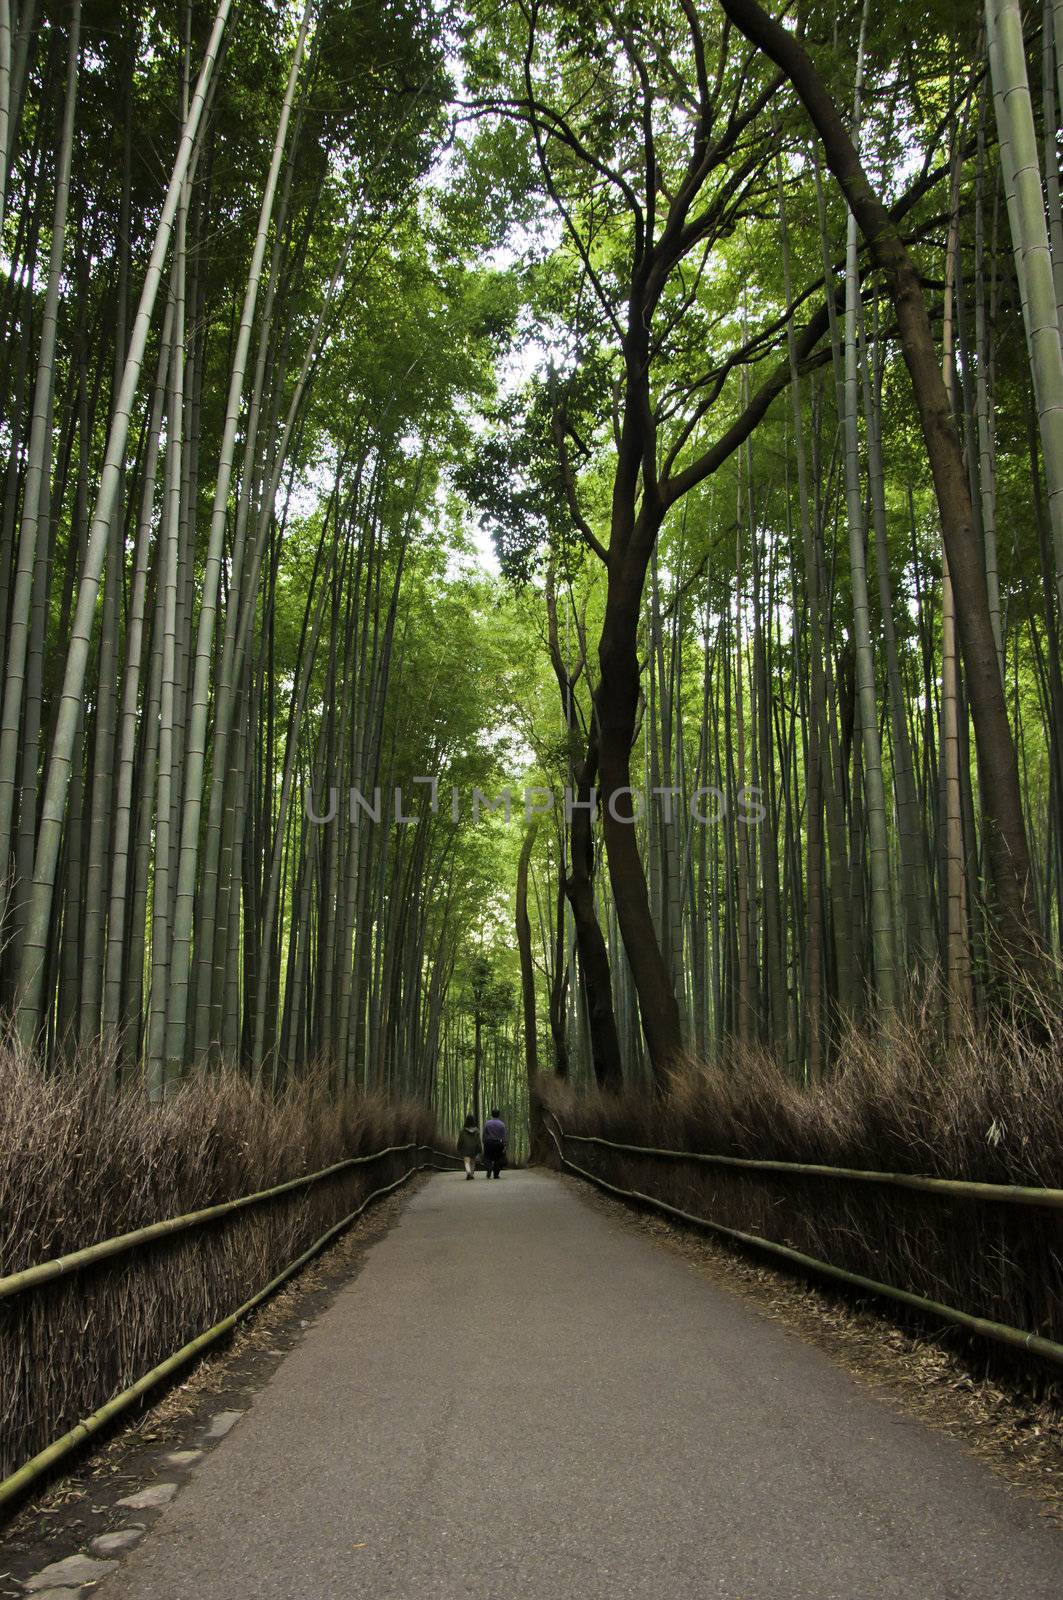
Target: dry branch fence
pixel 983 1256
pixel 111 1310
pixel 929 1169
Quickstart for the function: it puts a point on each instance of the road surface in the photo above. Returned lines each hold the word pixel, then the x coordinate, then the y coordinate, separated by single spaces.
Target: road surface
pixel 518 1397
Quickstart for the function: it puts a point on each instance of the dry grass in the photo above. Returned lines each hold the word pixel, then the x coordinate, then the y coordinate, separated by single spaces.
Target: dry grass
pixel 988 1107
pixel 78 1165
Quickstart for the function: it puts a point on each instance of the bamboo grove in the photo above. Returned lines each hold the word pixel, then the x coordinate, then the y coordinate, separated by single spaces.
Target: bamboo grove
pixel 799 423
pixel 222 437
pixel 738 338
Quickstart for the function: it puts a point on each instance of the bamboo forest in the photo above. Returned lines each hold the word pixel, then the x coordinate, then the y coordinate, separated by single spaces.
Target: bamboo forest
pixel 373 413
pixel 531 584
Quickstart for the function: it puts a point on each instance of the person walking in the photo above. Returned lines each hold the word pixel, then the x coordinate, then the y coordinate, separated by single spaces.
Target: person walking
pixel 494 1145
pixel 470 1146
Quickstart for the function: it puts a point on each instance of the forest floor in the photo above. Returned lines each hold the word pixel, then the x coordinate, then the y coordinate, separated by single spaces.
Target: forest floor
pixel 519 1396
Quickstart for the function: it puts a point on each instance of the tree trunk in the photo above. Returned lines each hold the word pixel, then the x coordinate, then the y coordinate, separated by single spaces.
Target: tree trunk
pixel 616 703
pixel 527 990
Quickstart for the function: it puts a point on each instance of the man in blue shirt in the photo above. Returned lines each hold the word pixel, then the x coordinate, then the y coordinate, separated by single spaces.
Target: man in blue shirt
pixel 494 1143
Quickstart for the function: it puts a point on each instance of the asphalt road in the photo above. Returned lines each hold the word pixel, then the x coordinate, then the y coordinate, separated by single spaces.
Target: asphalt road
pixel 518 1397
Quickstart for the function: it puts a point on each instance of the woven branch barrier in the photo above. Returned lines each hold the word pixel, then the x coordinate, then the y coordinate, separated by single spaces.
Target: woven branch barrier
pixel 962 1188
pixel 16 1485
pixel 61 1266
pixel 1017 1339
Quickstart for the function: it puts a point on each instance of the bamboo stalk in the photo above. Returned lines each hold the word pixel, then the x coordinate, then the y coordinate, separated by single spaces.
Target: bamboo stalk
pixel 196 742
pixel 71 703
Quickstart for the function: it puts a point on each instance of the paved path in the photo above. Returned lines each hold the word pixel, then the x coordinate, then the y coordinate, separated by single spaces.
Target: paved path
pixel 519 1399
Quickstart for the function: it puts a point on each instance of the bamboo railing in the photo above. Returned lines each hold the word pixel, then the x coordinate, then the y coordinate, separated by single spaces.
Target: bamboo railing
pixel 16 1485
pixel 60 1266
pixel 1008 1193
pixel 998 1332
